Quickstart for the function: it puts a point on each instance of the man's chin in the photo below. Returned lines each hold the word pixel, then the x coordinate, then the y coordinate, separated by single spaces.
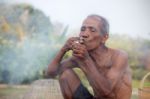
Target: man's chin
pixel 90 48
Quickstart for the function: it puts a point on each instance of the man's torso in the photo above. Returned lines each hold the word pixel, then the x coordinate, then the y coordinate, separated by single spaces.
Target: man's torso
pixel 104 62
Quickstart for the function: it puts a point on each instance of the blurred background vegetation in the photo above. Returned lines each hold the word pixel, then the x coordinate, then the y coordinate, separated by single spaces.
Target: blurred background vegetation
pixel 29 41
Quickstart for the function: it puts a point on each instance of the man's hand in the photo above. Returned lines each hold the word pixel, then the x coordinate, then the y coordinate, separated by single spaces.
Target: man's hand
pixel 69 43
pixel 80 51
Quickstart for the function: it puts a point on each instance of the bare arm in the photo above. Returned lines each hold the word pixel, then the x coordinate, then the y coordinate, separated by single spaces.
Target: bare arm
pixel 56 65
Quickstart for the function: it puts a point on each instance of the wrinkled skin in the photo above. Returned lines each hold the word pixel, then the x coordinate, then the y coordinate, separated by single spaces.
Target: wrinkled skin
pixel 106 69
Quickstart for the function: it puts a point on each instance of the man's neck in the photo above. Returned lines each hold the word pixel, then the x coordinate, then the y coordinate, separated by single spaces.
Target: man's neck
pixel 102 49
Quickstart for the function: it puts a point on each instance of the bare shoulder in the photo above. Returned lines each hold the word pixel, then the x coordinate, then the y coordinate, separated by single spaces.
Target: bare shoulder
pixel 119 58
pixel 118 53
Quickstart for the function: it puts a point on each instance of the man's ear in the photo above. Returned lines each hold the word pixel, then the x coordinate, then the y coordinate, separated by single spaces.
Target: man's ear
pixel 106 36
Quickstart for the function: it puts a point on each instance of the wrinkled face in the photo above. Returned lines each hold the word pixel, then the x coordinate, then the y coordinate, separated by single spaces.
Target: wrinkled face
pixel 90 31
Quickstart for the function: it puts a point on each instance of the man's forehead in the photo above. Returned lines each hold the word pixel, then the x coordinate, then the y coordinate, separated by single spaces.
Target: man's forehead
pixel 91 21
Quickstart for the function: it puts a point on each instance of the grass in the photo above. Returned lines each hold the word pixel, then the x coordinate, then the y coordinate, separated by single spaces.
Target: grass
pixel 136 84
pixel 9 90
pixel 12 92
pixel 134 97
pixel 17 92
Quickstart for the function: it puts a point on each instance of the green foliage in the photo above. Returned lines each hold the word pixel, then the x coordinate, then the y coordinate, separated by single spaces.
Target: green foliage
pixel 137 49
pixel 139 73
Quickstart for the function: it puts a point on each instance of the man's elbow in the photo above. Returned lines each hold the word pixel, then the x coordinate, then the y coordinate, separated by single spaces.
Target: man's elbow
pixel 50 74
pixel 107 93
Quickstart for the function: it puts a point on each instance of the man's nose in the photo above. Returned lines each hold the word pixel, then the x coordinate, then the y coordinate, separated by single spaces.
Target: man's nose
pixel 84 34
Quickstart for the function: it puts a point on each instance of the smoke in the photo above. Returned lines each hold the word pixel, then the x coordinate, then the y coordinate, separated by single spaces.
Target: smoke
pixel 26 61
pixel 28 42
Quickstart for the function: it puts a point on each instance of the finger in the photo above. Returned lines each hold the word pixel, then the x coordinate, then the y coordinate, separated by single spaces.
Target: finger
pixel 78 55
pixel 76 44
pixel 78 47
pixel 77 51
pixel 73 42
pixel 73 39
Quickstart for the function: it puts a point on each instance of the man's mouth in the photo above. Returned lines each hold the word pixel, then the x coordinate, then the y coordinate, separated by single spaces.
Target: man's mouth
pixel 81 40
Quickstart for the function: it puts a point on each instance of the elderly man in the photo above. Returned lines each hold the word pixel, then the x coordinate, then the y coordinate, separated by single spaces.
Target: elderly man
pixel 106 69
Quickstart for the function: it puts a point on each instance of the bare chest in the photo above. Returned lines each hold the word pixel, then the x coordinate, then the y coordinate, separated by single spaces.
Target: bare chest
pixel 104 63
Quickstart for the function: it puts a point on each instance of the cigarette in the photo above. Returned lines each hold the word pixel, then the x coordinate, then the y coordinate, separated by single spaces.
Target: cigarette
pixel 81 40
pixel 76 41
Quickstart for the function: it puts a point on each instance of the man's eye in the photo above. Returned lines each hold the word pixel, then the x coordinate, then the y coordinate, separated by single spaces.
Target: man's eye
pixel 83 29
pixel 93 30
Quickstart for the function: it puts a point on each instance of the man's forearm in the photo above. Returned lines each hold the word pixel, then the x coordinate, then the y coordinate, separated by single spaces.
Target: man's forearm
pixel 54 65
pixel 99 83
